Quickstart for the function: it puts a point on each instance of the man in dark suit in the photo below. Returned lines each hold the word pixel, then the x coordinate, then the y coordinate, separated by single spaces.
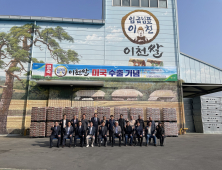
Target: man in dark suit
pixel 63 124
pixel 79 133
pixel 160 133
pixel 152 124
pixel 110 127
pixel 56 133
pixel 138 134
pixel 68 131
pixel 74 122
pixel 150 133
pixel 122 125
pixel 106 121
pixel 116 133
pixel 85 125
pixel 96 123
pixel 140 120
pixel 90 134
pixel 128 133
pixel 103 134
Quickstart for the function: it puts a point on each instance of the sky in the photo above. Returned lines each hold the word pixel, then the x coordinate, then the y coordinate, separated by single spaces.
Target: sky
pixel 200 22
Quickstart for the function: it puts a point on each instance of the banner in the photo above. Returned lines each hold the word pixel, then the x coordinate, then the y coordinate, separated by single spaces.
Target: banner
pixel 102 72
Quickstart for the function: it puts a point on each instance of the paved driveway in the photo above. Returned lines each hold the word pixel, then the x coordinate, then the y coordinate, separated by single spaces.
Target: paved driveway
pixel 187 152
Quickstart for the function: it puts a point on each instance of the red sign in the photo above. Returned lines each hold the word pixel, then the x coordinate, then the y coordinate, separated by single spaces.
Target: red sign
pixel 99 72
pixel 48 70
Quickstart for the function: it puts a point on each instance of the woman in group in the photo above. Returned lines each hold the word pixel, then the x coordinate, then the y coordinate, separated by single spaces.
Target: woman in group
pixel 160 133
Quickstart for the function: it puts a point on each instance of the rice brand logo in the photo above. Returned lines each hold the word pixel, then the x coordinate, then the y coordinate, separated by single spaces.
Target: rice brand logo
pixel 60 71
pixel 140 26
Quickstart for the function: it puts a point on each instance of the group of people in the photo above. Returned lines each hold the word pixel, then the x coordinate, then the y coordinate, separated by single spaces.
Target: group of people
pixel 131 130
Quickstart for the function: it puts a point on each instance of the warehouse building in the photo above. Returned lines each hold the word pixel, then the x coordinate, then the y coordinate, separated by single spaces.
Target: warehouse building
pixel 128 62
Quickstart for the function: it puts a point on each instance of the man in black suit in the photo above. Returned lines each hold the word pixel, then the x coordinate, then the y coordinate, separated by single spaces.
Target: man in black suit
pixel 106 121
pixel 63 124
pixel 68 131
pixel 85 125
pixel 138 134
pixel 128 133
pixel 79 133
pixel 96 123
pixel 122 125
pixel 90 134
pixel 56 133
pixel 140 120
pixel 111 125
pixel 103 134
pixel 74 122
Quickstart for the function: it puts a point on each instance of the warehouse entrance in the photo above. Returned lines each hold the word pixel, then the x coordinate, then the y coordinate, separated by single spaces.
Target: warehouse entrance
pixel 202 114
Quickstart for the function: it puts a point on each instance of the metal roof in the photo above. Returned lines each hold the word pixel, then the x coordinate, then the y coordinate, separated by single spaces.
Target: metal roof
pixel 200 61
pixel 51 19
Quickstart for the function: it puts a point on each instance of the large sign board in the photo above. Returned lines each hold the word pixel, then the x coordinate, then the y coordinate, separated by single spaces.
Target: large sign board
pixel 140 26
pixel 101 72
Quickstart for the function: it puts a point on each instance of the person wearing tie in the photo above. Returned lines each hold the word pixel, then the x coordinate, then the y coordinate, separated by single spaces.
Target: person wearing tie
pixel 96 123
pixel 152 125
pixel 56 133
pixel 106 121
pixel 63 124
pixel 122 124
pixel 141 121
pixel 138 134
pixel 90 134
pixel 85 125
pixel 110 127
pixel 128 133
pixel 68 131
pixel 79 133
pixel 116 133
pixel 74 122
pixel 103 134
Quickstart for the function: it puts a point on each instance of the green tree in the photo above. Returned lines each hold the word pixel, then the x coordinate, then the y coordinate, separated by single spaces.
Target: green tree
pixel 15 48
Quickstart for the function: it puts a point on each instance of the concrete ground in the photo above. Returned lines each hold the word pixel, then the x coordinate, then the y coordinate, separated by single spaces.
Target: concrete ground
pixel 187 152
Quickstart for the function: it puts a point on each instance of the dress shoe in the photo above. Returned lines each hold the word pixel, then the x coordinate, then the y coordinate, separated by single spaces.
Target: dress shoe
pixel 154 144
